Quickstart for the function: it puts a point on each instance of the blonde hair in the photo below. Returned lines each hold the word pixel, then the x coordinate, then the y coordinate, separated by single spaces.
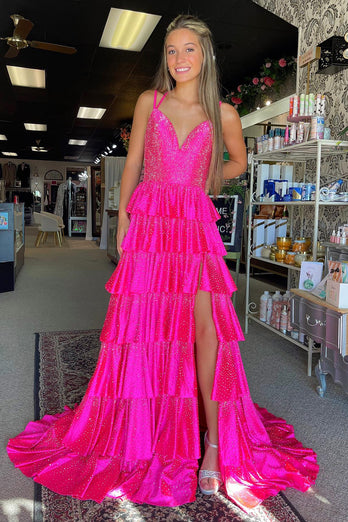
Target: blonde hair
pixel 208 89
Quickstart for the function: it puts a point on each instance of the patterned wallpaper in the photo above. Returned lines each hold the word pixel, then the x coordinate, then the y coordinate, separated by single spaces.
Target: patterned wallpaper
pixel 317 21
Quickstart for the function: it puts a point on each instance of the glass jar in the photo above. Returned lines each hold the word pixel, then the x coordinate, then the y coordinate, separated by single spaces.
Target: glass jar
pixel 299 258
pixel 266 251
pixel 290 257
pixel 284 243
pixel 280 256
pixel 299 245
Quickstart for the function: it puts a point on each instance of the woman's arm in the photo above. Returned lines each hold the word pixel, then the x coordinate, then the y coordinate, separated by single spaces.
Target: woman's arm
pixel 234 142
pixel 134 162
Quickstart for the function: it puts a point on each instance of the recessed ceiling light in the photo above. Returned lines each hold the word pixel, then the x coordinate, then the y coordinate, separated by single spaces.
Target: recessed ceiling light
pixel 128 30
pixel 71 157
pixel 90 113
pixel 9 153
pixel 39 149
pixel 3 137
pixel 77 142
pixel 35 126
pixel 25 77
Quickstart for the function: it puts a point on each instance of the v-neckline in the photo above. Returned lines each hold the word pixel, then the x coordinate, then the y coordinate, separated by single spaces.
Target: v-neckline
pixel 180 147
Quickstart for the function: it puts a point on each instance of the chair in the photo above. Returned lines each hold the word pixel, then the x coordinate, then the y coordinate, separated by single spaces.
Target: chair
pixel 48 224
pixel 59 220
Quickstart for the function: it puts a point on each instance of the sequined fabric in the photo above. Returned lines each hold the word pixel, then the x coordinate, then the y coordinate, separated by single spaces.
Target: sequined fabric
pixel 135 434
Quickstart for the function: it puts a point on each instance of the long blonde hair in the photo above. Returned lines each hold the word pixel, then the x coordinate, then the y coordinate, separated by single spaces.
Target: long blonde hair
pixel 208 89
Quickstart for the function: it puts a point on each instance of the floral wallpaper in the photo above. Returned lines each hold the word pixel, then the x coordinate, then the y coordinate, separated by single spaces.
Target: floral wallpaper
pixel 317 21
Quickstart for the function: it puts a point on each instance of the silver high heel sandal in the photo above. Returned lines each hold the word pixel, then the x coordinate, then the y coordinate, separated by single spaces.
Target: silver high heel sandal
pixel 206 474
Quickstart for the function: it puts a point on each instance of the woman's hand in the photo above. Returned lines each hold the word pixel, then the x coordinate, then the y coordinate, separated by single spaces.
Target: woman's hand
pixel 122 229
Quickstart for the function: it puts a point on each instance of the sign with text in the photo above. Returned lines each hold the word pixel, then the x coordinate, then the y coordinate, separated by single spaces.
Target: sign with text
pixel 230 209
pixel 309 56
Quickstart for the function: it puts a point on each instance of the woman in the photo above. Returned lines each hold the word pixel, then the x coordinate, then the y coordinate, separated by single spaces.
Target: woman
pixel 135 433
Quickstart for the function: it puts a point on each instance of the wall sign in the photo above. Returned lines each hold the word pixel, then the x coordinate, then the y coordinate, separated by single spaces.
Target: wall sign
pixel 230 208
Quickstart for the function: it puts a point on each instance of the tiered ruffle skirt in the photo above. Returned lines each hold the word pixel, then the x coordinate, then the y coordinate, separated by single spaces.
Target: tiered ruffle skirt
pixel 135 434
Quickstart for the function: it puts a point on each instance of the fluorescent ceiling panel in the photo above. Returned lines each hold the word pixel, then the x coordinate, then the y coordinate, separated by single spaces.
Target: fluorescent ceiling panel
pixel 35 126
pixel 91 113
pixel 9 153
pixel 78 142
pixel 25 77
pixel 3 137
pixel 128 30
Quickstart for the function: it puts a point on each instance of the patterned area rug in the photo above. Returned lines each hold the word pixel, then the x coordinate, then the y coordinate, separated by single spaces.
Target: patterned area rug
pixel 65 362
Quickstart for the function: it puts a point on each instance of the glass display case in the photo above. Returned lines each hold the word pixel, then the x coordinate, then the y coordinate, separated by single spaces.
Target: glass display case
pixel 11 244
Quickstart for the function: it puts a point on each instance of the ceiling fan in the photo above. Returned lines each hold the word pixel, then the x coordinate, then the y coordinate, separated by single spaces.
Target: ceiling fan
pixel 39 148
pixel 18 41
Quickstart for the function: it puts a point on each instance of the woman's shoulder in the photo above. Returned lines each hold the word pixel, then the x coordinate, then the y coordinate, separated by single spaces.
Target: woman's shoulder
pixel 228 114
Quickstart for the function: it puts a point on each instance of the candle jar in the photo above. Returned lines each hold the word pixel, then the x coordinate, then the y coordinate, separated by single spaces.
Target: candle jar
pixel 280 256
pixel 299 258
pixel 299 245
pixel 284 243
pixel 290 258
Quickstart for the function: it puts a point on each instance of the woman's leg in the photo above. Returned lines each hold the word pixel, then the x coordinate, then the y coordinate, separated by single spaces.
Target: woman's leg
pixel 206 345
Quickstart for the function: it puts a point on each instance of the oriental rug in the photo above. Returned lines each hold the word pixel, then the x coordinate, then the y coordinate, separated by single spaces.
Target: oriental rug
pixel 65 361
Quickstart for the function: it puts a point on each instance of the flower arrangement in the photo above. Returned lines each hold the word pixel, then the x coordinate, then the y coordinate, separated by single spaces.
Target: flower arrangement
pixel 125 133
pixel 255 90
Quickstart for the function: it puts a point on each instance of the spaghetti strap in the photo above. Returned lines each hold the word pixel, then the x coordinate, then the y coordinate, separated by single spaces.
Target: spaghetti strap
pixel 161 100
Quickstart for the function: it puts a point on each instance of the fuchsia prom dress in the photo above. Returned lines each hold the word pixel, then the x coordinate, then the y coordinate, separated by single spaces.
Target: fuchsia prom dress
pixel 136 434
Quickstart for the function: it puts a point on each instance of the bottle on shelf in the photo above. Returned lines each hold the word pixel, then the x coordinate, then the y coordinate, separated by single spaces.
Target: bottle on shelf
pixel 269 309
pixel 263 306
pixel 276 309
pixel 283 324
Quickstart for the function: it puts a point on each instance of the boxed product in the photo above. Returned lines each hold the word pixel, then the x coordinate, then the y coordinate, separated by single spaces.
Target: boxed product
pixel 258 236
pixel 274 171
pixel 262 176
pixel 286 173
pixel 270 228
pixel 280 227
pixel 337 293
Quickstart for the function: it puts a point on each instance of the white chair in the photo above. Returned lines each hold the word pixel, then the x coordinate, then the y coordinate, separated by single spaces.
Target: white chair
pixel 59 220
pixel 48 224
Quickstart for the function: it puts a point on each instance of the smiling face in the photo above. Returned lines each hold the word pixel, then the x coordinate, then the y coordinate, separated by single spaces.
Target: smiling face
pixel 184 55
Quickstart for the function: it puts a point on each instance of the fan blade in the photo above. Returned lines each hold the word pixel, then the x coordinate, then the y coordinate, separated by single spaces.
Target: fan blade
pixel 12 52
pixel 53 47
pixel 23 28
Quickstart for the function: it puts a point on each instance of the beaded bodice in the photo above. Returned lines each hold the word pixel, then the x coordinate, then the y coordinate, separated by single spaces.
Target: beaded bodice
pixel 166 161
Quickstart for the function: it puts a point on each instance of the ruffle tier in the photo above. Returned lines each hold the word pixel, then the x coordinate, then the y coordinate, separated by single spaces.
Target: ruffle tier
pixel 122 448
pixel 172 200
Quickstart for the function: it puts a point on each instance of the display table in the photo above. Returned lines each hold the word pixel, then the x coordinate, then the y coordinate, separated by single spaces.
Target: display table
pixel 327 325
pixel 112 236
pixel 11 244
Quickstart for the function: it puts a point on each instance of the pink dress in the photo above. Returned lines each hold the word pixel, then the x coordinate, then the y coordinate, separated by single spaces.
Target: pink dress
pixel 136 433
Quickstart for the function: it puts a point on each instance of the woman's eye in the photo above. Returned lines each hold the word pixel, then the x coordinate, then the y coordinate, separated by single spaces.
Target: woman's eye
pixel 171 51
pixel 190 49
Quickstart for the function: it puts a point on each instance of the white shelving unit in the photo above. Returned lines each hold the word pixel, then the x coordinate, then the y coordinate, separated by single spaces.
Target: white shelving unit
pixel 299 153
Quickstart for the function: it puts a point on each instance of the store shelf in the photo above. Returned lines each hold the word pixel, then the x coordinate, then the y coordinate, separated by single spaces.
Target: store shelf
pixel 299 202
pixel 284 336
pixel 311 150
pixel 305 151
pixel 268 261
